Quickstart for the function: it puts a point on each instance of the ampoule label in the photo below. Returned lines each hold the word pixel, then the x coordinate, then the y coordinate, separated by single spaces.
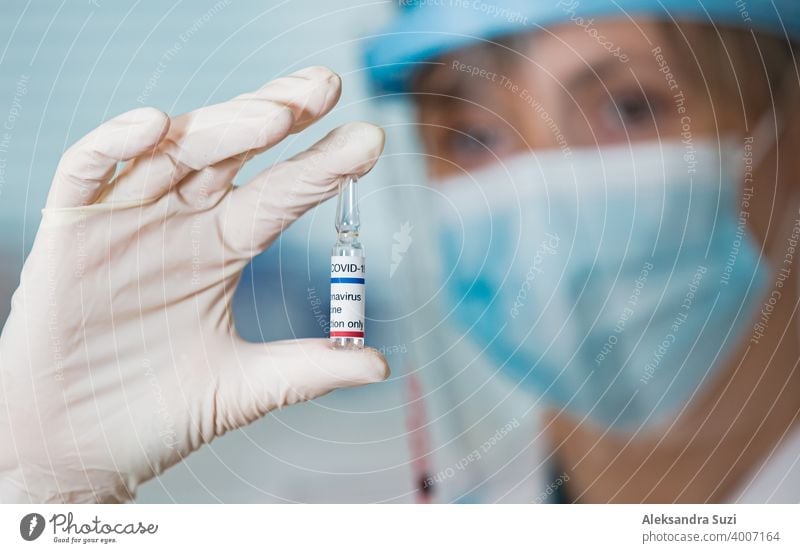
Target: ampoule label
pixel 347 296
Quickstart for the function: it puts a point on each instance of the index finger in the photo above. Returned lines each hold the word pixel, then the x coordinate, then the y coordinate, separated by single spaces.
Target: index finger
pixel 248 123
pixel 86 167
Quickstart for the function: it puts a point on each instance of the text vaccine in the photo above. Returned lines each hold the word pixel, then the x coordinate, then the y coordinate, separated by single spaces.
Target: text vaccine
pixel 347 272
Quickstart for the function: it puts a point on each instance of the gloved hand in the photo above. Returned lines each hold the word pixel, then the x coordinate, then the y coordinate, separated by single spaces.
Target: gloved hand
pixel 120 357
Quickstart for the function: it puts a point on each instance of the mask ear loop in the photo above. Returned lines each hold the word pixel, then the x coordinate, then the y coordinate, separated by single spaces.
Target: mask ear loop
pixel 767 133
pixel 790 83
pixel 771 124
pixel 769 130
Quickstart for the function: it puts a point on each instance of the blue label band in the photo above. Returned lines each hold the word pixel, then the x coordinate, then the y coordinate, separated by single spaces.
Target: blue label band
pixel 347 280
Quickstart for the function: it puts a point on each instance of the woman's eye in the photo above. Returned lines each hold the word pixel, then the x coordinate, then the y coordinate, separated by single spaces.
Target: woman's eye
pixel 476 141
pixel 631 110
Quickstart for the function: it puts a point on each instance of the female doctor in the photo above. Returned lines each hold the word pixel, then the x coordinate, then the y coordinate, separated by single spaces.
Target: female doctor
pixel 616 204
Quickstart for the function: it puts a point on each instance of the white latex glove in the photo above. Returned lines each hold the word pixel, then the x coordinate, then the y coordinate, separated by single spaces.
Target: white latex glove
pixel 120 357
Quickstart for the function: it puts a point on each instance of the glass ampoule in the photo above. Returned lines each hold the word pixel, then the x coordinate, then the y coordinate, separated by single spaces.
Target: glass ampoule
pixel 347 272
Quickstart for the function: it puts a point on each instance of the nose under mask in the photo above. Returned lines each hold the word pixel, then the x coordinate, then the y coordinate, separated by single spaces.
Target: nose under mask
pixel 612 282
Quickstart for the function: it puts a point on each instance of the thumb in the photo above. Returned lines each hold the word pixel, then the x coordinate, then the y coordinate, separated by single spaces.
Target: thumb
pixel 276 374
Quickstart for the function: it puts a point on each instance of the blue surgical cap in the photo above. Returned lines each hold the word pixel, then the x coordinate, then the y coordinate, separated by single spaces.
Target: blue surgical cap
pixel 425 29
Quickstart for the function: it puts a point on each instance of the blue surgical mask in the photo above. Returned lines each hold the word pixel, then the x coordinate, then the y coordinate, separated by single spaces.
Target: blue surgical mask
pixel 612 282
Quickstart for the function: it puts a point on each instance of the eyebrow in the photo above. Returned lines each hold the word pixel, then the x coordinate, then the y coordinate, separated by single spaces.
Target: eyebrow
pixel 449 86
pixel 441 79
pixel 591 73
pixel 459 86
